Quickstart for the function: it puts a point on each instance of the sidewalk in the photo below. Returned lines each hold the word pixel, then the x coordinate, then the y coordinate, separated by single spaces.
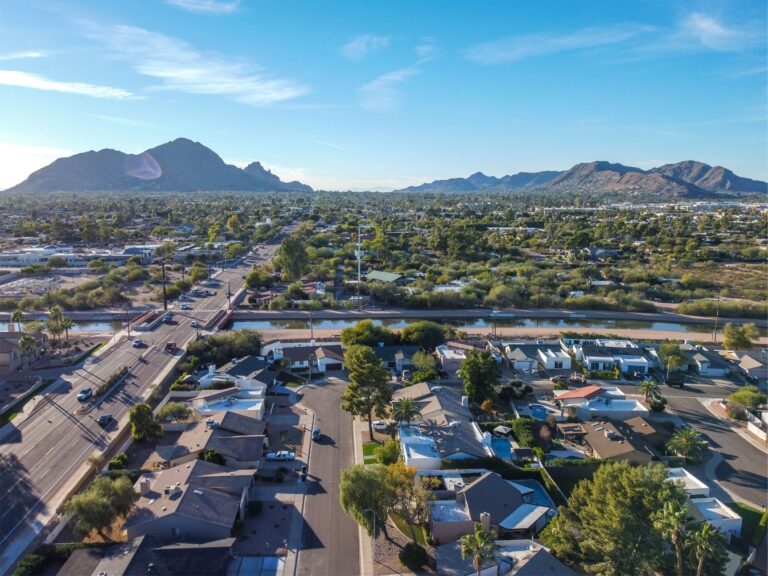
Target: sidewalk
pixel 366 546
pixel 734 426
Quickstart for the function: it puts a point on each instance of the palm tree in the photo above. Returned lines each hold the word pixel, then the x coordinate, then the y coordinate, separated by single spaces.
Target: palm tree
pixel 17 316
pixel 705 543
pixel 55 313
pixel 686 442
pixel 649 389
pixel 481 546
pixel 66 323
pixel 28 347
pixel 405 410
pixel 672 521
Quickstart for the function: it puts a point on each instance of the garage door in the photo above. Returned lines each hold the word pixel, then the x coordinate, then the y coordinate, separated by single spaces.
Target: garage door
pixel 334 366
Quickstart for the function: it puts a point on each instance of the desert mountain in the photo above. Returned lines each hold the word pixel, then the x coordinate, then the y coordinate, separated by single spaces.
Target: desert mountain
pixel 179 166
pixel 682 180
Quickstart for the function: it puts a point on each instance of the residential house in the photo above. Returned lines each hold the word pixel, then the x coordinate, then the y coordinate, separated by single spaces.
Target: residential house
pixel 489 500
pixel 511 558
pixel 554 359
pixel 11 357
pixel 449 357
pixel 397 358
pixel 386 277
pixel 437 404
pixel 709 363
pixel 320 358
pixel 592 402
pixel 149 555
pixel 426 445
pixel 519 359
pixel 242 451
pixel 717 514
pixel 693 486
pixel 601 355
pixel 245 367
pixel 194 501
pixel 754 366
pixel 614 440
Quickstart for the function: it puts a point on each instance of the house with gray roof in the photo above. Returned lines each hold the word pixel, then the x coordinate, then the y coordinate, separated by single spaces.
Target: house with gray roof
pixel 497 503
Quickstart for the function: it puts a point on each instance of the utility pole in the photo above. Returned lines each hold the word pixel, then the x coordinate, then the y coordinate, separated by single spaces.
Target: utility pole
pixel 165 296
pixel 229 302
pixel 717 318
pixel 359 254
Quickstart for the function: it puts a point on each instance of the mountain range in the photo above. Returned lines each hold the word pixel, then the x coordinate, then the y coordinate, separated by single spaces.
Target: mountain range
pixel 688 179
pixel 186 166
pixel 180 166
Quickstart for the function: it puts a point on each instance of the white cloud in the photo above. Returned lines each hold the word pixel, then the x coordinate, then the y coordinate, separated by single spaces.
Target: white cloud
pixel 179 66
pixel 363 45
pixel 714 34
pixel 330 145
pixel 516 48
pixel 17 161
pixel 206 6
pixel 37 82
pixel 383 93
pixel 27 54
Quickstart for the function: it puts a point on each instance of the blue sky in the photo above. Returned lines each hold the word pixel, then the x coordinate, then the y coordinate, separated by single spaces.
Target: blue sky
pixel 381 94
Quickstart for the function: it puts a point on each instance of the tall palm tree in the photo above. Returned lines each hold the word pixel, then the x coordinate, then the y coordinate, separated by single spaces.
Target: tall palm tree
pixel 28 347
pixel 480 546
pixel 55 313
pixel 17 316
pixel 66 323
pixel 673 521
pixel 649 389
pixel 705 544
pixel 405 411
pixel 686 442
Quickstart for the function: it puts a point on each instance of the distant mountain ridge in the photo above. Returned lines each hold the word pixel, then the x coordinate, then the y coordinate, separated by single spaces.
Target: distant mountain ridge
pixel 179 166
pixel 688 179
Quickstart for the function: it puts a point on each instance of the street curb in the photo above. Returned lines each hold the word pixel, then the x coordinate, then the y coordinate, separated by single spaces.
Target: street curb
pixel 303 496
pixel 366 544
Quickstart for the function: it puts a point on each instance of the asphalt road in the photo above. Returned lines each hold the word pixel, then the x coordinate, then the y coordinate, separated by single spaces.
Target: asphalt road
pixel 330 544
pixel 40 458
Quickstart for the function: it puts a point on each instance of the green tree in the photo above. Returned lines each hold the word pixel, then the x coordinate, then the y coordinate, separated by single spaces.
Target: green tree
pixel 233 224
pixel 688 444
pixel 649 388
pixel 212 456
pixel 426 334
pixel 17 316
pixel 747 396
pixel 480 546
pixel 607 526
pixel 739 337
pixel 388 453
pixel 406 411
pixel 409 498
pixel 706 547
pixel 292 258
pixel 672 356
pixel 672 521
pixel 174 411
pixel 66 325
pixel 368 390
pixel 424 362
pixel 366 333
pixel 98 506
pixel 480 374
pixel 144 425
pixel 363 491
pixel 258 278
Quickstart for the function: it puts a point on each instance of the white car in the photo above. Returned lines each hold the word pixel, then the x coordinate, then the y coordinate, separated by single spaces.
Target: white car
pixel 281 456
pixel 138 343
pixel 380 425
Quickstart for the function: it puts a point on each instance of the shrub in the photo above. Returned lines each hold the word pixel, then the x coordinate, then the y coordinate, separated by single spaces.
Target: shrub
pixel 523 430
pixel 30 565
pixel 413 556
pixel 388 453
pixel 118 462
pixel 560 385
pixel 657 404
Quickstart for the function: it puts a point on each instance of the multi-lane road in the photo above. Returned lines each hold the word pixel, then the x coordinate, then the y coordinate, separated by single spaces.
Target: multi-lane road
pixel 45 456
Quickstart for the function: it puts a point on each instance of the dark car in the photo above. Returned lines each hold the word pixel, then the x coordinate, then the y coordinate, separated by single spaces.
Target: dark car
pixel 85 395
pixel 104 420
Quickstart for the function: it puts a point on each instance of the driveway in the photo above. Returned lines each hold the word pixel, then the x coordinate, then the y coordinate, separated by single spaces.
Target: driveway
pixel 330 537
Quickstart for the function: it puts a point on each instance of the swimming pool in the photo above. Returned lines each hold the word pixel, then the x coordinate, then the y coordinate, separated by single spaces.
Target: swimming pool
pixel 502 448
pixel 540 412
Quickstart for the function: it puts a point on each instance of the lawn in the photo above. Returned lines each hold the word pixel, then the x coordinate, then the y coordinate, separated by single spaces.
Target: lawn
pixel 402 525
pixel 751 531
pixel 369 452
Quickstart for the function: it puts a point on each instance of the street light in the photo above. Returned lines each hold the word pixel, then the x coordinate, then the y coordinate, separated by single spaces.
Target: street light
pixel 165 296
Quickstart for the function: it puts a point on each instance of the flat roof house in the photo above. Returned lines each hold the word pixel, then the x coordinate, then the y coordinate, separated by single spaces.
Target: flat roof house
pixel 601 355
pixel 692 485
pixel 386 277
pixel 450 358
pixel 716 513
pixel 553 359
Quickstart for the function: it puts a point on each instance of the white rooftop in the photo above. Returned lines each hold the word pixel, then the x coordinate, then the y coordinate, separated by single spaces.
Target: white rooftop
pixel 524 517
pixel 713 510
pixel 688 480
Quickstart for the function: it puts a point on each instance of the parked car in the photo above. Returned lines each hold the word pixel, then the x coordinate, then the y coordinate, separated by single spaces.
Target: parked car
pixel 558 379
pixel 85 394
pixel 380 425
pixel 184 306
pixel 281 456
pixel 194 324
pixel 316 434
pixel 168 319
pixel 170 346
pixel 104 420
pixel 138 343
